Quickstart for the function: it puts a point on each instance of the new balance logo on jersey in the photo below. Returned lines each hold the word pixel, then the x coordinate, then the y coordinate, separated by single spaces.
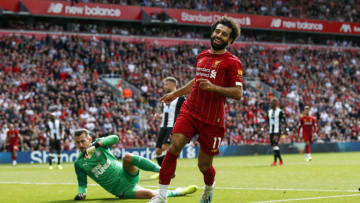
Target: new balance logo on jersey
pixel 213 74
pixel 345 28
pixel 55 8
pixel 276 22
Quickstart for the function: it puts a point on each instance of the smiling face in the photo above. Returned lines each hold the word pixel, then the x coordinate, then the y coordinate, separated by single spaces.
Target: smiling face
pixel 82 142
pixel 220 37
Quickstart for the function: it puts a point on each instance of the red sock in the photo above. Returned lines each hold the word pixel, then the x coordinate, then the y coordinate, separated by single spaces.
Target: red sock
pixel 307 149
pixel 13 157
pixel 168 168
pixel 209 176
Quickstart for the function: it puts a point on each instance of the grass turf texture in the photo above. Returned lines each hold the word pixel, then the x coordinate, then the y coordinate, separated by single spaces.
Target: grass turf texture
pixel 330 177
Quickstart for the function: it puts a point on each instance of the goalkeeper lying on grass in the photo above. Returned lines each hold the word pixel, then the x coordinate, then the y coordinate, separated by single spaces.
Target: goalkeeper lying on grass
pixel 120 179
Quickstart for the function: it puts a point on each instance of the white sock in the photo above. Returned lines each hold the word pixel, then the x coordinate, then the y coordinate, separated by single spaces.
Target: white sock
pixel 209 187
pixel 163 190
pixel 14 162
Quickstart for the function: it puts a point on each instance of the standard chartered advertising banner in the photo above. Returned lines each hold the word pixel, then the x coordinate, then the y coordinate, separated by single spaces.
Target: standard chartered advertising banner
pixel 70 156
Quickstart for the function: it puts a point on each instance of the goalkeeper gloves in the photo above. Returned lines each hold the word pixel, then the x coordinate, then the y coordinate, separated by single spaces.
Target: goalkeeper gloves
pixel 80 196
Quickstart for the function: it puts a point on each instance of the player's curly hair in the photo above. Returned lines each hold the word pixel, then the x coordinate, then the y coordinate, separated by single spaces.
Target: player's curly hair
pixel 231 23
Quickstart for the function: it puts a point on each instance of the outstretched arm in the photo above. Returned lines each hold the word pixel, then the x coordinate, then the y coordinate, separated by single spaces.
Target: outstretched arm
pixel 82 183
pixel 230 92
pixel 107 141
pixel 186 89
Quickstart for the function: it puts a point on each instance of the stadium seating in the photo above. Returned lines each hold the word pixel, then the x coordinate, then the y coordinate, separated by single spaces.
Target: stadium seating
pixel 38 74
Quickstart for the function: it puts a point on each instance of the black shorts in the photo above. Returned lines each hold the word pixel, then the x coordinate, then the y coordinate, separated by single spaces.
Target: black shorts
pixel 164 137
pixel 55 145
pixel 274 139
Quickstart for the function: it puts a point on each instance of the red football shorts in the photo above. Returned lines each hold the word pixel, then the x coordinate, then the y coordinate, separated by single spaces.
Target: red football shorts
pixel 12 148
pixel 210 136
pixel 307 138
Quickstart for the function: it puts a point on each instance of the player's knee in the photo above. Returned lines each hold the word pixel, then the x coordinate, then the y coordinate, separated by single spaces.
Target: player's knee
pixel 203 167
pixel 127 158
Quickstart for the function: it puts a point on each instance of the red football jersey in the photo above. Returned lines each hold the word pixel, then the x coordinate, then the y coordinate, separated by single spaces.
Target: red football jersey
pixel 12 136
pixel 308 124
pixel 220 69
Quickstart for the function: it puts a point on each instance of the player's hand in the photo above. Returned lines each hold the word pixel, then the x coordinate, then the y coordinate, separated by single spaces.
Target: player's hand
pixel 168 98
pixel 205 84
pixel 89 152
pixel 80 196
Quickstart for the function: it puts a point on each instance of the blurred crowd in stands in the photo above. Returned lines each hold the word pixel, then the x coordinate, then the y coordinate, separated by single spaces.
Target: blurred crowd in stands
pixel 62 75
pixel 178 32
pixel 339 10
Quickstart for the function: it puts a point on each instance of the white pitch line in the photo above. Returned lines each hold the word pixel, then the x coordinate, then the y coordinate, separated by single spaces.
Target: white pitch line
pixel 220 188
pixel 309 198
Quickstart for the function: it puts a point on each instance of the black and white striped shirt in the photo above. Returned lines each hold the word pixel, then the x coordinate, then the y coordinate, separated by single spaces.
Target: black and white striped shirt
pixel 54 129
pixel 275 119
pixel 170 112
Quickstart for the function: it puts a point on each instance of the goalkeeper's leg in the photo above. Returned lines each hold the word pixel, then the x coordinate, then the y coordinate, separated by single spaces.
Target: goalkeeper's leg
pixel 132 163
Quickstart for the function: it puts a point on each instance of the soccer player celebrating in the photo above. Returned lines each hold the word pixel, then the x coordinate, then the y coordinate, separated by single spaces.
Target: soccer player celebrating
pixel 13 138
pixel 308 125
pixel 120 179
pixel 218 76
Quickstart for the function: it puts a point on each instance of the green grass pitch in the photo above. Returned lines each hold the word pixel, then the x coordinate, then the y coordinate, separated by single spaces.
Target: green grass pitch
pixel 330 177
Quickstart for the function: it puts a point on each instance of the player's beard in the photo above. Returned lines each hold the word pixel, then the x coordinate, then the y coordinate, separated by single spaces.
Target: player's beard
pixel 218 47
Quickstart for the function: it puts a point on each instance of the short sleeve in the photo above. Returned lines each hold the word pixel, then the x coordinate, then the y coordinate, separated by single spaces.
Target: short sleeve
pixel 235 73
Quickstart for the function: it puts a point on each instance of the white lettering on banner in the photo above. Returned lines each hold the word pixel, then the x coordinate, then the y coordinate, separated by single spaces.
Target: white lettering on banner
pixel 356 29
pixel 186 17
pixel 345 28
pixel 84 10
pixel 55 8
pixel 199 18
pixel 42 157
pixel 289 24
pixel 74 10
pixel 276 22
pixel 97 11
pixel 279 23
pixel 190 151
pixel 309 26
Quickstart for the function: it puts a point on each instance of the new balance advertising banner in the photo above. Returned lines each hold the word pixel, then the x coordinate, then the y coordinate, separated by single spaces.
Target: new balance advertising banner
pixel 70 156
pixel 133 13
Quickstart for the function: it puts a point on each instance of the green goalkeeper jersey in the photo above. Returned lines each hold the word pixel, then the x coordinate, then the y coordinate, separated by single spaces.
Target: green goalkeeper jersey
pixel 103 167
